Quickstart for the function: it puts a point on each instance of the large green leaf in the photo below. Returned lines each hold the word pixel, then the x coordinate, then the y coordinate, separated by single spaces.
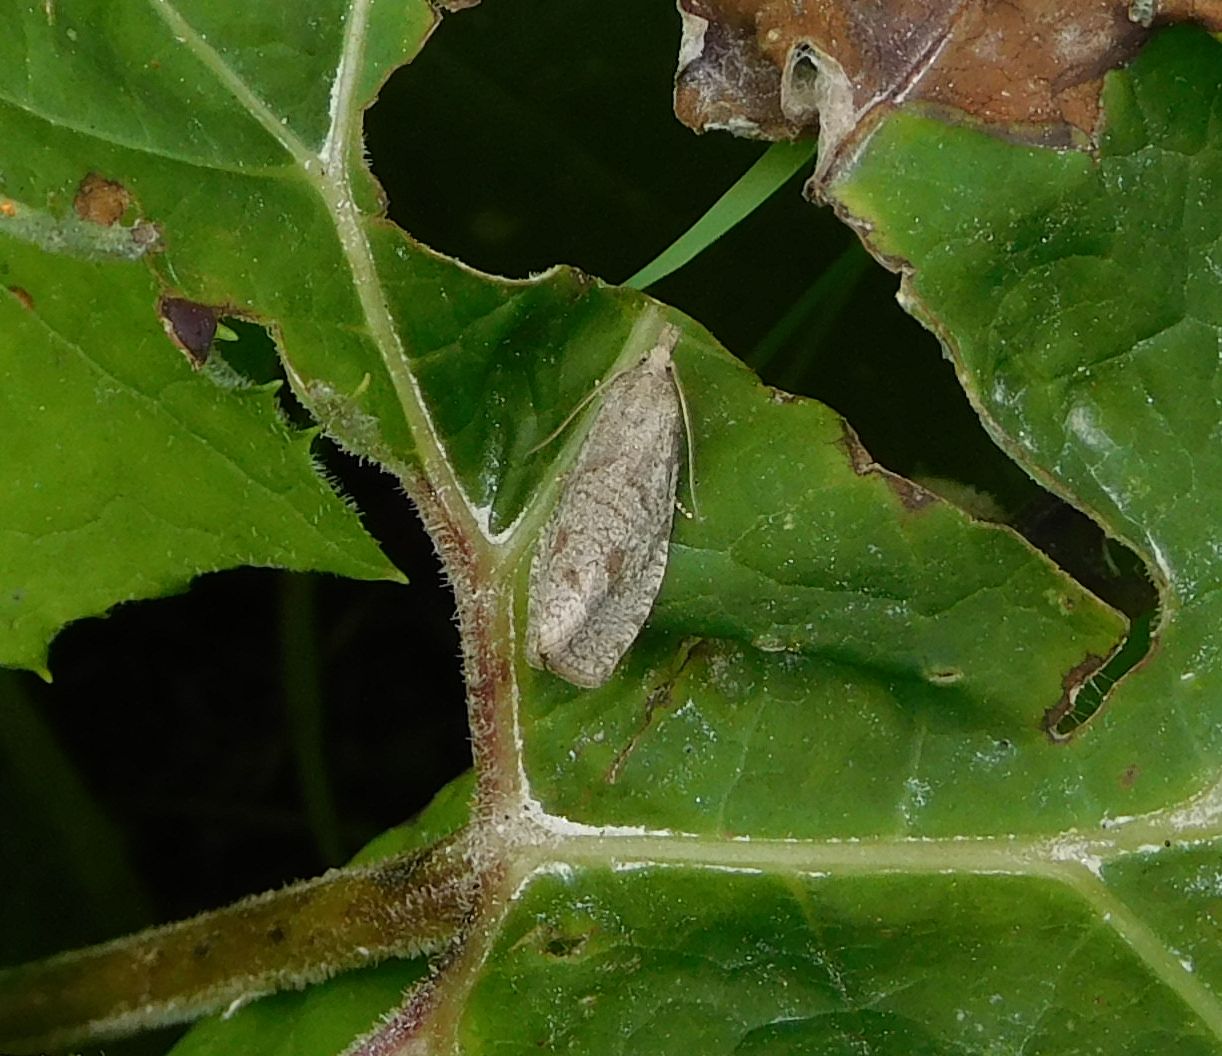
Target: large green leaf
pixel 815 809
pixel 125 472
pixel 1084 312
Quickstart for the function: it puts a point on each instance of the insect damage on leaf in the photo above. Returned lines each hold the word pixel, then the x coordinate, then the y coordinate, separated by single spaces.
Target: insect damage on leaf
pixel 599 562
pixel 101 201
pixel 191 327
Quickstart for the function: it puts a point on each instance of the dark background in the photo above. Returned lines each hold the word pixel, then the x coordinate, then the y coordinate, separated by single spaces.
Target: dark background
pixel 524 135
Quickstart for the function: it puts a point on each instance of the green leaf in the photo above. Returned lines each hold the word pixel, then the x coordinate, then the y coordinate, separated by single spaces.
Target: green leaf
pixel 127 473
pixel 815 809
pixel 812 616
pixel 1083 309
pixel 658 961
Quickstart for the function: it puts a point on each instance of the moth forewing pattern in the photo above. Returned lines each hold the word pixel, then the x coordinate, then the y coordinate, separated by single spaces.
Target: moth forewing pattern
pixel 600 559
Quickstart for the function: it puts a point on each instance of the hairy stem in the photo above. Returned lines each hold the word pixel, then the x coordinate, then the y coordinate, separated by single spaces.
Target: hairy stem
pixel 299 935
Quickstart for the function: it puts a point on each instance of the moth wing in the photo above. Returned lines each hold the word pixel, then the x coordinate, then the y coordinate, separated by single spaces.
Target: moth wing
pixel 594 540
pixel 600 560
pixel 592 653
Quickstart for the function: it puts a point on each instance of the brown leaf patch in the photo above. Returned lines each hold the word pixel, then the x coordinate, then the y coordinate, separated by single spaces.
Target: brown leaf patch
pixel 191 327
pixel 1026 69
pixel 101 201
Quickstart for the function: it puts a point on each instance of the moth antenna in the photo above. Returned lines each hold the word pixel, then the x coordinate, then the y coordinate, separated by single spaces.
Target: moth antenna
pixel 581 405
pixel 691 445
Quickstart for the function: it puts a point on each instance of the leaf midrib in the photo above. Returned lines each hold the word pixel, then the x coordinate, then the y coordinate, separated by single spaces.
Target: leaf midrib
pixel 327 172
pixel 1075 863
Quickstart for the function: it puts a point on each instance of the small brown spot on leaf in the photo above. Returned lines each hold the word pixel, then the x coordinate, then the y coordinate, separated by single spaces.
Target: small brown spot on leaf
pixel 23 297
pixel 191 326
pixel 1130 775
pixel 101 201
pixel 859 457
pixel 8 209
pixel 201 950
pixel 913 497
pixel 276 934
pixel 146 235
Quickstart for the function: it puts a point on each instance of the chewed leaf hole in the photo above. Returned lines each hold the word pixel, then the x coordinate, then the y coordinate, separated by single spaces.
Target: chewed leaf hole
pixel 565 946
pixel 813 314
pixel 251 351
pixel 562 946
pixel 901 397
pixel 1092 694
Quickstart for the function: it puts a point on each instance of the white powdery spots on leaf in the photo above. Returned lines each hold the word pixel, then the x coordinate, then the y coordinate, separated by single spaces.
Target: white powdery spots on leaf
pixel 689 712
pixel 1202 813
pixel 1071 41
pixel 1077 851
pixel 482 516
pixel 916 797
pixel 989 758
pixel 990 46
pixel 536 817
pixel 1082 423
pixel 1206 881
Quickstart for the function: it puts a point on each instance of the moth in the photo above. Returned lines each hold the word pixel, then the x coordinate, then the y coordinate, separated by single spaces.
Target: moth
pixel 599 561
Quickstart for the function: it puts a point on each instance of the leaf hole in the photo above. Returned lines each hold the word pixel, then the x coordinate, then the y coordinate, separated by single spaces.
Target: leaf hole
pixel 514 145
pixel 847 342
pixel 564 947
pixel 539 150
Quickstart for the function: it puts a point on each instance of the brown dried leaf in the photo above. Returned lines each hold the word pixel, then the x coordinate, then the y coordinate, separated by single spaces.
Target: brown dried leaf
pixel 1026 69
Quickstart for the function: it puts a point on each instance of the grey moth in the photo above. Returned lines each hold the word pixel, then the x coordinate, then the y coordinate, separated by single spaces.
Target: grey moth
pixel 599 561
